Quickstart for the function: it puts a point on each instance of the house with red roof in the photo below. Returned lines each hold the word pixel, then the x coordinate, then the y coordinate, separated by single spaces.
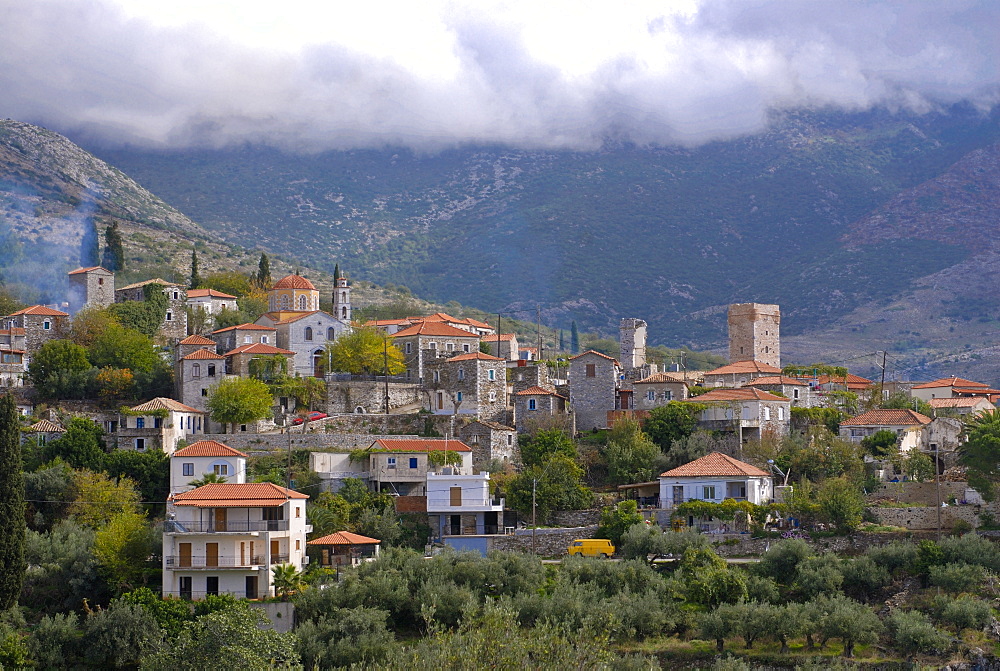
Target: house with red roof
pixel 210 303
pixel 429 340
pixel 748 412
pixel 202 458
pixel 794 389
pixel 174 324
pixel 224 538
pixel 503 345
pixel 954 387
pixel 869 423
pixel 39 324
pixel 739 374
pixel 541 408
pixel 714 478
pixel 158 425
pixel 593 388
pixel 344 548
pixel 473 384
pixel 91 286
pixel 658 389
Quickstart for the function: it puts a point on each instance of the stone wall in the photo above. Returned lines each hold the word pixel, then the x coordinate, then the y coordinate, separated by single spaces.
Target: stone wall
pixel 347 397
pixel 754 333
pixel 592 396
pixel 269 442
pixel 853 544
pixel 548 542
pixel 921 492
pixel 575 518
pixel 926 518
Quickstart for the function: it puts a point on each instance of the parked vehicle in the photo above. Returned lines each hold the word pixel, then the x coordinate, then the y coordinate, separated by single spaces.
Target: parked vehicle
pixel 592 547
pixel 313 416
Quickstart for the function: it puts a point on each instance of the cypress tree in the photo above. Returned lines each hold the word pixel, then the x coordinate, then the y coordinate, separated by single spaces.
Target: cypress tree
pixel 195 277
pixel 336 272
pixel 90 246
pixel 12 524
pixel 562 340
pixel 574 339
pixel 114 250
pixel 264 272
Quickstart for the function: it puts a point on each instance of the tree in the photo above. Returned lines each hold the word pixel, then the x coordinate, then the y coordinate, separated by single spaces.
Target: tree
pixel 114 249
pixel 574 339
pixel 672 421
pixel 239 400
pixel 122 547
pixel 345 637
pixel 195 282
pixel 150 469
pixel 558 485
pixel 99 498
pixel 880 444
pixel 58 369
pixel 847 620
pixel 62 569
pixel 630 453
pixel 89 323
pixel 536 450
pixel 90 246
pixel 114 383
pixel 79 446
pixel 287 580
pixel 144 316
pixel 840 503
pixel 208 479
pixel 616 520
pixel 364 350
pixel 12 524
pixel 121 636
pixel 981 453
pixel 262 278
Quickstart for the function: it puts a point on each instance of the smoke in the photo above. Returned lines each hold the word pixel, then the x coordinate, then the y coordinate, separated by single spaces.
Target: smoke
pixel 558 76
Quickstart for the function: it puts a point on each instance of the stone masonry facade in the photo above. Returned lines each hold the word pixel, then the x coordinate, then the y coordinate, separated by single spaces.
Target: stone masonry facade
pixel 754 333
pixel 593 381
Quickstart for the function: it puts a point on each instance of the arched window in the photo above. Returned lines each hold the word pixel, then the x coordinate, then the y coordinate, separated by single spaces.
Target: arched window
pixel 309 333
pixel 303 305
pixel 284 301
pixel 343 296
pixel 343 313
pixel 331 334
pixel 493 397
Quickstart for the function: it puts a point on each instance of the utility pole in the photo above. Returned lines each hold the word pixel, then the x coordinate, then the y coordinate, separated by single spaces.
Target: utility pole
pixel 534 484
pixel 538 325
pixel 937 486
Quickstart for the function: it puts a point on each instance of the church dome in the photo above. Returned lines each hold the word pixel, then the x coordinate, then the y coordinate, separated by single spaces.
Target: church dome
pixel 294 282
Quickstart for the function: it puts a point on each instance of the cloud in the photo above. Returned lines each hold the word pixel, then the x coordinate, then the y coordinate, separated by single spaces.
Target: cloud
pixel 504 73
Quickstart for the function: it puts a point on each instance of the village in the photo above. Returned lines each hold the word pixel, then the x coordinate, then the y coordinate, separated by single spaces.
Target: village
pixel 258 460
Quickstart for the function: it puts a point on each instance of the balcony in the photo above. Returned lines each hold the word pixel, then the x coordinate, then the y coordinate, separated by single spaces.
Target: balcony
pixel 209 561
pixel 228 526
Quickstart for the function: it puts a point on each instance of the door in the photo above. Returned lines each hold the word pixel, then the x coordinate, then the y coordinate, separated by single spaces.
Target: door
pixel 212 586
pixel 243 554
pixel 220 519
pixel 211 554
pixel 184 560
pixel 185 583
pixel 275 545
pixel 456 496
pixel 456 525
pixel 251 587
pixel 678 495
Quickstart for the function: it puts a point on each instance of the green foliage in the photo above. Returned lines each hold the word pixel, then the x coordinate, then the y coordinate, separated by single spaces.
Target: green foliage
pixel 781 561
pixel 144 316
pixel 900 401
pixel 880 444
pixel 630 454
pixel 847 620
pixel 865 578
pixel 99 498
pixel 894 557
pixel 641 540
pixel 79 446
pixel 150 470
pixel 840 503
pixel 344 637
pixel 122 547
pixel 262 278
pixel 740 512
pixel 123 635
pixel 829 418
pixel 615 521
pixel 971 549
pixel 48 492
pixel 980 454
pixel 287 580
pixel 956 578
pixel 818 575
pixel 56 641
pixel 62 570
pixel 543 445
pixel 170 613
pixel 364 350
pixel 559 487
pixel 439 458
pixel 671 422
pixel 239 400
pixel 122 347
pixel 12 524
pixel 912 631
pixel 114 249
pixel 965 612
pixel 195 280
pixel 713 585
pixel 59 370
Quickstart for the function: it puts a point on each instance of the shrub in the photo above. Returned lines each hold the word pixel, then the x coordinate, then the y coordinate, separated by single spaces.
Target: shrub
pixel 344 637
pixel 818 575
pixel 961 527
pixel 965 612
pixel 896 556
pixel 956 577
pixel 781 561
pixel 56 641
pixel 762 589
pixel 913 632
pixel 972 549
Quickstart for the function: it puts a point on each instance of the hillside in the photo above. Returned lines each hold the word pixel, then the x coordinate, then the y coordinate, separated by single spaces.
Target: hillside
pixel 669 235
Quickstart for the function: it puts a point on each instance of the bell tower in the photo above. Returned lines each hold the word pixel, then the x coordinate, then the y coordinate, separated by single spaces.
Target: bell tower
pixel 341 296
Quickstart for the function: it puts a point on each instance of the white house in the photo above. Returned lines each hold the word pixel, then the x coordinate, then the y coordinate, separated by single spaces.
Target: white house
pixel 206 456
pixel 749 412
pixel 224 539
pixel 461 504
pixel 715 477
pixel 159 424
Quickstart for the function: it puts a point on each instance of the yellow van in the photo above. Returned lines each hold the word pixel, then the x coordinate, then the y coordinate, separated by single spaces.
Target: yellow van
pixel 592 547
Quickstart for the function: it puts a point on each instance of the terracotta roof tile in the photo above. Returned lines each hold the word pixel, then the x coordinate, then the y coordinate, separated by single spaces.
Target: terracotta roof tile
pixel 208 448
pixel 958 402
pixel 237 495
pixel 778 379
pixel 420 445
pixel 207 293
pixel 155 280
pixel 41 311
pixel 503 337
pixel 164 404
pixel 245 327
pixel 660 378
pixel 594 351
pixel 258 348
pixel 536 391
pixel 196 340
pixel 715 464
pixel 470 356
pixel 738 367
pixel 434 329
pixel 202 354
pixel 294 282
pixel 948 382
pixel 87 270
pixel 45 426
pixel 884 417
pixel 344 538
pixel 741 394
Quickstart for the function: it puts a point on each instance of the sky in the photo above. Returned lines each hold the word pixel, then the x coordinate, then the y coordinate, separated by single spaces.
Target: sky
pixel 428 74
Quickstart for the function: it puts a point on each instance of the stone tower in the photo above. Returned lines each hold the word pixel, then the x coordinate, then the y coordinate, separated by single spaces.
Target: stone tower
pixel 754 333
pixel 91 286
pixel 341 297
pixel 632 336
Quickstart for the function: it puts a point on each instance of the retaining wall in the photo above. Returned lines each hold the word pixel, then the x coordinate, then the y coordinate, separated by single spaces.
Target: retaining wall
pixel 548 542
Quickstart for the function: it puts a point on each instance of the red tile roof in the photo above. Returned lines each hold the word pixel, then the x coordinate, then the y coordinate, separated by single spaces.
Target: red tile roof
pixel 164 404
pixel 420 445
pixel 45 426
pixel 202 354
pixel 660 378
pixel 344 538
pixel 503 337
pixel 237 495
pixel 87 270
pixel 437 317
pixel 594 351
pixel 739 367
pixel 258 348
pixel 245 327
pixel 536 391
pixel 207 293
pixel 715 464
pixel 948 382
pixel 853 381
pixel 294 282
pixel 475 322
pixel 887 418
pixel 196 340
pixel 208 448
pixel 434 329
pixel 741 394
pixel 958 402
pixel 470 356
pixel 41 311
pixel 778 379
pixel 155 280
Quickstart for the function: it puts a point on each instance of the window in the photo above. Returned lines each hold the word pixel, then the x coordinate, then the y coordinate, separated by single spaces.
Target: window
pixel 158 423
pixel 302 303
pixel 309 333
pixel 413 462
pixel 708 492
pixel 668 395
pixel 531 404
pixel 458 397
pixel 46 325
pixel 795 394
pixel 298 512
pixel 298 542
pixel 510 440
pixel 433 345
pixel 493 397
pixel 187 469
pixel 170 316
pixel 212 585
pixel 204 392
pixel 284 302
pixel 409 348
pixel 220 469
pixel 100 281
pixel 491 374
pixel 437 376
pixel 140 444
pixel 390 462
pixel 650 395
pixel 176 295
pixel 331 334
pixel 247 340
pixel 450 347
pixel 465 348
pixel 591 370
pixel 211 370
pixel 461 373
pixel 781 414
pixel 456 496
pixel 263 339
pixel 140 422
pixel 196 370
pixel 184 587
pixel 767 413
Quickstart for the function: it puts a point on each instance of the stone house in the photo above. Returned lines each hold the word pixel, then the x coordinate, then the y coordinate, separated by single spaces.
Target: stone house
pixel 755 333
pixel 202 458
pixel 427 341
pixel 471 325
pixel 174 325
pixel 504 345
pixel 42 431
pixel 490 440
pixel 794 389
pixel 40 324
pixel 13 366
pixel 158 425
pixel 748 412
pixel 539 408
pixel 714 478
pixel 739 374
pixel 239 359
pixel 225 538
pixel 467 384
pixel 869 423
pixel 91 286
pixel 232 337
pixel 306 335
pixel 960 406
pixel 954 387
pixel 196 373
pixel 658 389
pixel 210 302
pixel 524 376
pixel 192 344
pixel 593 387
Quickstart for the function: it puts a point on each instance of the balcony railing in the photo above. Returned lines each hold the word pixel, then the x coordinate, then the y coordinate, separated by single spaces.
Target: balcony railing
pixel 228 526
pixel 201 561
